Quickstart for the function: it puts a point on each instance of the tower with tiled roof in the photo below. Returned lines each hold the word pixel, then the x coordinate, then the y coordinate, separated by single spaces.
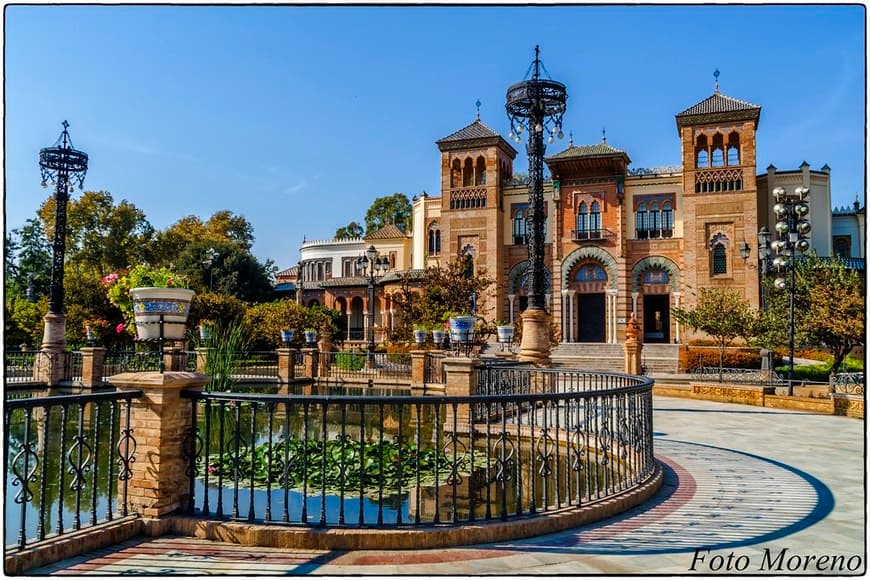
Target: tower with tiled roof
pixel 721 204
pixel 475 160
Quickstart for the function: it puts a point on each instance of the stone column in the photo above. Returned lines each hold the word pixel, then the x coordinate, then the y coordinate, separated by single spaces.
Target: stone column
pixel 634 296
pixel 677 296
pixel 564 313
pixel 535 346
pixel 633 347
pixel 511 298
pixel 286 370
pixel 201 358
pixel 309 362
pixel 461 379
pixel 50 366
pixel 611 315
pixel 160 421
pixel 571 317
pixel 92 365
pixel 418 368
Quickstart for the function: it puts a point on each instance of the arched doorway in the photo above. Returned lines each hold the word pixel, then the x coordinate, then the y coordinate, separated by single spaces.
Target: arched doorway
pixel 655 280
pixel 518 289
pixel 589 283
pixel 341 305
pixel 356 320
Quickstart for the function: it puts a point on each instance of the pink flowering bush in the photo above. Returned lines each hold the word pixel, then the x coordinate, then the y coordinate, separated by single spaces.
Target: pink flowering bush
pixel 118 287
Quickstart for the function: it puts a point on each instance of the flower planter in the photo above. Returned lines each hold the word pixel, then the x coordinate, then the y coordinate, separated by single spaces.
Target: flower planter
pixel 505 333
pixel 286 336
pixel 204 332
pixel 462 329
pixel 420 337
pixel 438 337
pixel 149 303
pixel 310 337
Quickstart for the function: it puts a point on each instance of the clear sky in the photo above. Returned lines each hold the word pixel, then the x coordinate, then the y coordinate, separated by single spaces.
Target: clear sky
pixel 298 117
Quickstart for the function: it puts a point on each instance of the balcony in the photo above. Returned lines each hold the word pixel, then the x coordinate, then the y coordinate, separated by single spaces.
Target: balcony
pixel 589 235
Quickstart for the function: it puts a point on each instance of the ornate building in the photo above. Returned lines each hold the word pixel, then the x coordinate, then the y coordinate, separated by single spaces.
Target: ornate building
pixel 619 240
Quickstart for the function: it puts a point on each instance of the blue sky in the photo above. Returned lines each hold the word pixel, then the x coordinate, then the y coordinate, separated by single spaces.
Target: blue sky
pixel 298 117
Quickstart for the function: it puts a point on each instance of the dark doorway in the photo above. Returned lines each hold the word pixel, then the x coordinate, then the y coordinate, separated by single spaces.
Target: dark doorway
pixel 590 317
pixel 656 318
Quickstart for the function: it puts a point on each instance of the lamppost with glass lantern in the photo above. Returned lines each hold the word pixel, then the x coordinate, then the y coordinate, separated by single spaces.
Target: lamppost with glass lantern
pixel 792 229
pixel 210 256
pixel 536 105
pixel 62 166
pixel 372 264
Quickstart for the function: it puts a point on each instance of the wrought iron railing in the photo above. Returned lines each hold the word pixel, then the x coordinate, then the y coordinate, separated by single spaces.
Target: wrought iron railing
pixel 67 463
pixel 849 383
pixel 117 362
pixel 596 234
pixel 256 365
pixel 396 461
pixel 74 367
pixel 433 369
pixel 18 365
pixel 356 334
pixel 736 375
pixel 363 365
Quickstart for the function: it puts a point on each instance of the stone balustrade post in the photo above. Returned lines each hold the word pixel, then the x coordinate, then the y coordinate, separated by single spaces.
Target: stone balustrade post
pixel 161 421
pixel 93 358
pixel 418 368
pixel 462 380
pixel 309 362
pixel 286 368
pixel 633 347
pixel 201 358
pixel 50 367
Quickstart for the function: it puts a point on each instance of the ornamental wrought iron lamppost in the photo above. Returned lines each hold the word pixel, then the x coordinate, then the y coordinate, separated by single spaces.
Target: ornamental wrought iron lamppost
pixel 792 229
pixel 371 265
pixel 62 166
pixel 536 105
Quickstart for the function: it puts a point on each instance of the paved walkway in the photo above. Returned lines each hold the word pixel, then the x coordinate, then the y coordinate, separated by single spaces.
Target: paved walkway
pixel 777 491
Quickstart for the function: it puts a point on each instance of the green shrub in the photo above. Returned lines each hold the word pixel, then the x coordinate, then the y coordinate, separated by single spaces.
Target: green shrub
pixel 735 359
pixel 350 361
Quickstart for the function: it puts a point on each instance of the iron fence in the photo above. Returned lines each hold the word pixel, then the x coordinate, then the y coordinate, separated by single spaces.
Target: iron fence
pixel 364 365
pixel 374 461
pixel 18 365
pixel 256 365
pixel 117 362
pixel 74 367
pixel 69 459
pixel 849 383
pixel 737 375
pixel 433 370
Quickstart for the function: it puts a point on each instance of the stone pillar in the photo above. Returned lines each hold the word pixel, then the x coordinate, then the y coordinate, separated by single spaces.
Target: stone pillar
pixel 174 358
pixel 611 315
pixel 571 317
pixel 633 347
pixel 50 366
pixel 564 314
pixel 511 298
pixel 160 421
pixel 92 365
pixel 286 369
pixel 309 362
pixel 461 379
pixel 535 344
pixel 634 296
pixel 418 368
pixel 677 296
pixel 201 358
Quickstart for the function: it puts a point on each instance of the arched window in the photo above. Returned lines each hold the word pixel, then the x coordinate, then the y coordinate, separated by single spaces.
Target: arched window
pixel 720 261
pixel 582 221
pixel 654 220
pixel 667 220
pixel 718 154
pixel 480 172
pixel 456 174
pixel 702 156
pixel 640 222
pixel 595 220
pixel 733 149
pixel 468 173
pixel 519 226
pixel 434 240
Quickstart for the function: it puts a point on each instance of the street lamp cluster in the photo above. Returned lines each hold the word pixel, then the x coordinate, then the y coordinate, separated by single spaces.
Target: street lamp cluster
pixel 372 265
pixel 792 228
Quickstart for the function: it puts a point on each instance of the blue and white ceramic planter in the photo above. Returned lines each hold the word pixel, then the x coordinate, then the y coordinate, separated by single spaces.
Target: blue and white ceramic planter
pixel 149 303
pixel 438 337
pixel 505 333
pixel 286 335
pixel 462 328
pixel 420 337
pixel 310 337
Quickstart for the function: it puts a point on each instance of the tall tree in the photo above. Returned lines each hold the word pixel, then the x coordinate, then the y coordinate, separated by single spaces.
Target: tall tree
pixel 223 226
pixel 351 230
pixel 233 271
pixel 102 236
pixel 28 260
pixel 723 314
pixel 391 209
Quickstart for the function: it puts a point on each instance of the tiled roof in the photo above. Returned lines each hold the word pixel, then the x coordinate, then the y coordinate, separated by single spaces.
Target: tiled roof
pixel 575 151
pixel 476 130
pixel 395 276
pixel 291 271
pixel 346 281
pixel 718 103
pixel 388 232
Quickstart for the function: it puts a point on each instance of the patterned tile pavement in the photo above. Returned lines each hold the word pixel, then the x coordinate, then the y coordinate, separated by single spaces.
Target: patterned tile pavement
pixel 746 490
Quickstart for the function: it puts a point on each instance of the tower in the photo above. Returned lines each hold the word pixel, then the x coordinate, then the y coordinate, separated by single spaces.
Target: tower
pixel 721 203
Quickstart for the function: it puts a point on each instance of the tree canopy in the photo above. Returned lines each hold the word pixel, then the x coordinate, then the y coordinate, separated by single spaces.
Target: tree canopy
pixel 393 209
pixel 351 230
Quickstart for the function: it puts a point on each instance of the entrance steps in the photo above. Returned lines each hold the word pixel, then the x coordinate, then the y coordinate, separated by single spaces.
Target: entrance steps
pixel 657 358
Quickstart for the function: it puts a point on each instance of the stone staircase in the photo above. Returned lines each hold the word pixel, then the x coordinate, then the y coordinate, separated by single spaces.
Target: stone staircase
pixel 657 358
